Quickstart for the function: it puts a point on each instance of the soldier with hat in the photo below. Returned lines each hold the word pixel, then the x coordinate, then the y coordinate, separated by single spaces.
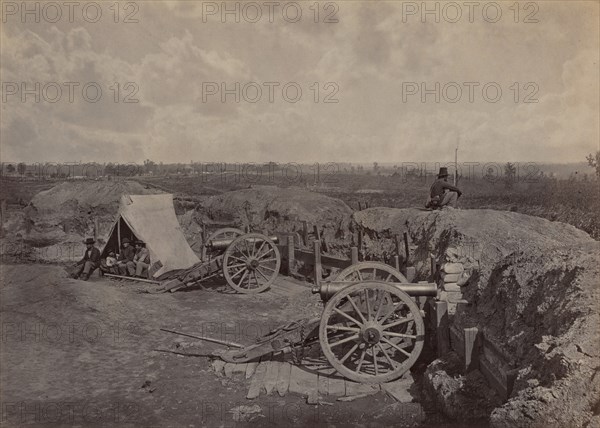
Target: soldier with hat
pixel 89 262
pixel 442 193
pixel 125 260
pixel 141 259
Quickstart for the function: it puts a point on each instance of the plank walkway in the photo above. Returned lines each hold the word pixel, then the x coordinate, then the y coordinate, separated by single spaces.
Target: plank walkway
pixel 315 379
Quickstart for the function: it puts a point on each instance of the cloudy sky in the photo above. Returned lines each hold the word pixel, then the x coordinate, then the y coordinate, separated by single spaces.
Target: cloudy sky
pixel 374 59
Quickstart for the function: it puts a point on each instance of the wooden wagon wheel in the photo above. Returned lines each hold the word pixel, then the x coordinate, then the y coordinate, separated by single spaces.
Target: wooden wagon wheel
pixel 219 234
pixel 371 271
pixel 251 263
pixel 371 332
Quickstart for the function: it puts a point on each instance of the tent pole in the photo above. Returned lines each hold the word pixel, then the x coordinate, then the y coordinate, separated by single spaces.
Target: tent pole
pixel 119 233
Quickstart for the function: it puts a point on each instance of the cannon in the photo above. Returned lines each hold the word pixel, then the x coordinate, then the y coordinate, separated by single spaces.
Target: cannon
pixel 249 262
pixel 371 330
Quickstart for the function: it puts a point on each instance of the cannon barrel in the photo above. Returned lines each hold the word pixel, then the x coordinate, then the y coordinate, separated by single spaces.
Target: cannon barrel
pixel 328 289
pixel 222 244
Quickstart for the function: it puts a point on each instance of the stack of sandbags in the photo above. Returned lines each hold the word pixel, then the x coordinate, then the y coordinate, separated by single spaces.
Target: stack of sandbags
pixel 452 276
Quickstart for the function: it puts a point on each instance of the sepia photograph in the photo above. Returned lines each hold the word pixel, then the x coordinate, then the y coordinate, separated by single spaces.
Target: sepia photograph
pixel 311 213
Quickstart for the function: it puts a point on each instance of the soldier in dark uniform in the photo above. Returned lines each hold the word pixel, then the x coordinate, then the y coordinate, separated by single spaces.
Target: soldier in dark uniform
pixel 442 193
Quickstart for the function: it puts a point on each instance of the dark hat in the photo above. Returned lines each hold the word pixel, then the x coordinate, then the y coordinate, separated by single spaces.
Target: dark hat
pixel 89 241
pixel 443 172
pixel 125 240
pixel 138 242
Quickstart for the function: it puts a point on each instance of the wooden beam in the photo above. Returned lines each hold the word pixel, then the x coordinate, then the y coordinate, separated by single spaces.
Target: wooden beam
pixel 291 259
pixel 112 275
pixel 471 349
pixel 353 255
pixel 406 250
pixel 442 328
pixel 318 270
pixel 305 232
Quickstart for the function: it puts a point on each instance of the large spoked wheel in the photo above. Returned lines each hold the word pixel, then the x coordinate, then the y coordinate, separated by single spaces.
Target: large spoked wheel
pixel 251 263
pixel 371 271
pixel 219 234
pixel 371 332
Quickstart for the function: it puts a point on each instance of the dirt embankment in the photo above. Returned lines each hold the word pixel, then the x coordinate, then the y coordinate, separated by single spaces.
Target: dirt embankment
pixel 53 225
pixel 271 209
pixel 533 291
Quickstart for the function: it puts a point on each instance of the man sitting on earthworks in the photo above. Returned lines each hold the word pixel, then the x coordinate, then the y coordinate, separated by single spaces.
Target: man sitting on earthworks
pixel 125 259
pixel 141 259
pixel 441 193
pixel 89 262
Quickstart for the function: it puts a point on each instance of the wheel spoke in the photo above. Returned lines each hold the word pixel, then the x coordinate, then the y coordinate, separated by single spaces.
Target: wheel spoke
pixel 344 314
pixel 404 336
pixel 345 357
pixel 367 304
pixel 387 357
pixel 242 279
pixel 395 323
pixel 356 308
pixel 380 304
pixel 236 266
pixel 267 267
pixel 262 274
pixel 388 277
pixel 394 309
pixel 237 258
pixel 261 247
pixel 348 339
pixel 263 255
pixel 361 360
pixel 268 260
pixel 383 339
pixel 375 360
pixel 343 328
pixel 238 272
pixel 360 278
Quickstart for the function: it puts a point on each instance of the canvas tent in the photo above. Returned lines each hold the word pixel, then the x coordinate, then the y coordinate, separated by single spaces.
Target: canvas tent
pixel 151 218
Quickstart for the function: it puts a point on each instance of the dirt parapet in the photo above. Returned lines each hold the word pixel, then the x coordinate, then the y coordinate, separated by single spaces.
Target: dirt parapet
pixel 271 209
pixel 532 290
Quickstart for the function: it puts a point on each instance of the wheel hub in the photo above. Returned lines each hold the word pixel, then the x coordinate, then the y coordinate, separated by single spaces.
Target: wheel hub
pixel 252 264
pixel 371 334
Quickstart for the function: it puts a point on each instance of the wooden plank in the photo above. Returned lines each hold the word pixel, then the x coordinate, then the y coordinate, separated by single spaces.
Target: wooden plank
pixel 441 328
pixel 353 255
pixel 399 389
pixel 218 366
pixel 290 254
pixel 302 382
pixel 318 270
pixel 229 369
pixel 240 368
pixel 271 375
pixel 471 348
pixel 355 388
pixel 251 368
pixel 283 379
pixel 257 381
pixel 308 257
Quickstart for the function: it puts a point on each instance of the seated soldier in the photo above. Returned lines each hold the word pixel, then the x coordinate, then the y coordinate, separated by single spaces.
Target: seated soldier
pixel 141 259
pixel 442 193
pixel 90 260
pixel 109 265
pixel 125 260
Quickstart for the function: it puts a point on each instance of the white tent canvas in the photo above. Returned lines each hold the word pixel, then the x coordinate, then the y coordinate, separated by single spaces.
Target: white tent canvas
pixel 152 219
